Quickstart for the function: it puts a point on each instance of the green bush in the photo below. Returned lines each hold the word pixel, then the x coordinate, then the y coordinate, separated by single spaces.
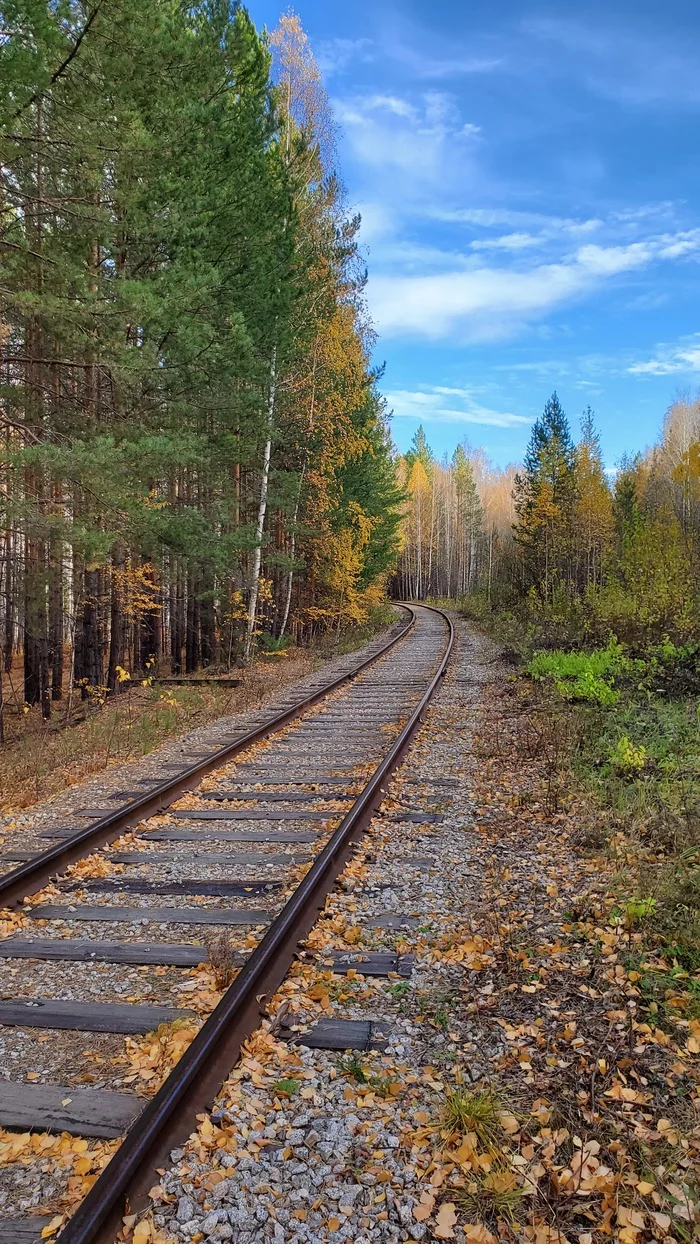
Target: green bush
pixel 586 676
pixel 627 759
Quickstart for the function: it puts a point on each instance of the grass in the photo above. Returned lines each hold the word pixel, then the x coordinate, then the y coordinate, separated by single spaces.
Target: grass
pixel 478 1112
pixel 637 757
pixel 286 1088
pixel 353 1068
pixel 339 645
pixel 640 765
pixel 670 996
pixel 491 1197
pixel 620 726
pixel 399 990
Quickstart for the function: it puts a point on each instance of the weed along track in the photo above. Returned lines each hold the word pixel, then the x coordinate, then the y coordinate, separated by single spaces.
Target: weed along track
pixel 153 937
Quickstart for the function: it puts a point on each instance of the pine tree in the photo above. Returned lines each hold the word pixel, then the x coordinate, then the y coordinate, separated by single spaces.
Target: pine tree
pixel 186 397
pixel 593 516
pixel 545 499
pixel 420 450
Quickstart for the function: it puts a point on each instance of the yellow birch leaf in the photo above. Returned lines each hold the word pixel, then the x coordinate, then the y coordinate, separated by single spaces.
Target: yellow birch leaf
pixel 52 1227
pixel 445 1221
pixel 425 1208
pixel 508 1122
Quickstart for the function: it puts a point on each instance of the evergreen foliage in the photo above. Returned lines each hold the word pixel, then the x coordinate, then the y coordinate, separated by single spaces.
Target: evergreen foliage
pixel 545 499
pixel 186 402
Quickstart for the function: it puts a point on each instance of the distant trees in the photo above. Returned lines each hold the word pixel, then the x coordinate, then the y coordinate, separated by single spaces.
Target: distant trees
pixel 457 519
pixel 189 420
pixel 553 538
pixel 593 513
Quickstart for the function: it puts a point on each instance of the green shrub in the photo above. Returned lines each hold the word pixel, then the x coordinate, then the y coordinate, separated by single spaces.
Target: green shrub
pixel 628 759
pixel 582 675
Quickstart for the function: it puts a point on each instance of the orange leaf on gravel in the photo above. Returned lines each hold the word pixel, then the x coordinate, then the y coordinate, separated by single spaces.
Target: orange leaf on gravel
pixel 425 1208
pixel 445 1221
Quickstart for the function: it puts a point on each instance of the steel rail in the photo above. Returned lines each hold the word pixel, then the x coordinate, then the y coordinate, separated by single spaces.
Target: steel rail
pixel 27 878
pixel 196 1079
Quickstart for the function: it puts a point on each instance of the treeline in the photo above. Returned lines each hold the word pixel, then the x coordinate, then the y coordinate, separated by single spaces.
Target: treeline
pixel 557 539
pixel 194 455
pixel 457 523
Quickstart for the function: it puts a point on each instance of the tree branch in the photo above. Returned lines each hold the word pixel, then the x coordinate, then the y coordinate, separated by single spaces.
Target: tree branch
pixel 58 73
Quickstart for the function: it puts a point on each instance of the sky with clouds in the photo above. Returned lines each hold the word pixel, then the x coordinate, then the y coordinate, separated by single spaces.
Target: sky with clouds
pixel 529 184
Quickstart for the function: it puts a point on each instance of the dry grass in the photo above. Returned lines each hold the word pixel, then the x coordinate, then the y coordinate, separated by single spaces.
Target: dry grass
pixel 40 759
pixel 224 958
pixel 491 1198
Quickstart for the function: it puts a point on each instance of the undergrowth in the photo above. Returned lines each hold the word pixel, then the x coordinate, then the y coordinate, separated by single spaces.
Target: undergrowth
pixel 40 759
pixel 621 724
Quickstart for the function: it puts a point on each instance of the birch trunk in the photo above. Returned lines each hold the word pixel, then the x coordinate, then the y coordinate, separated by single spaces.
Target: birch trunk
pixel 262 507
pixel 293 541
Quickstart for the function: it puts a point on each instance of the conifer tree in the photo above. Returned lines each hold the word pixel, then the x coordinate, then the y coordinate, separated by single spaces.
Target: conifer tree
pixel 185 388
pixel 545 499
pixel 593 516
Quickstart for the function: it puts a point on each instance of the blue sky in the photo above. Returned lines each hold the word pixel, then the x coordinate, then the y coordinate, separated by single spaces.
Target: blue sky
pixel 529 182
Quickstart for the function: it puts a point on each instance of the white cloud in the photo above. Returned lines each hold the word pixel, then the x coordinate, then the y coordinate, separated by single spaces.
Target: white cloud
pixel 416 137
pixel 428 405
pixel 390 103
pixel 609 260
pixel 509 218
pixel 507 242
pixel 622 62
pixel 421 64
pixel 334 55
pixel 671 359
pixel 488 302
pixel 649 301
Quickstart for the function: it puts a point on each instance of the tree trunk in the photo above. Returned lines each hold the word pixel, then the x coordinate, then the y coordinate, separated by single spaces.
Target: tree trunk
pixel 56 611
pixel 192 650
pixel 207 615
pixel 89 668
pixel 117 619
pixel 262 507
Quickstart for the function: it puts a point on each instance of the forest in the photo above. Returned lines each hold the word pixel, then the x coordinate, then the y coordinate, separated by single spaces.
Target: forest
pixel 195 459
pixel 569 548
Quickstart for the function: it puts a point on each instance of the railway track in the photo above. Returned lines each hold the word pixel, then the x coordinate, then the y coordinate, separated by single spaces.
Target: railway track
pixel 242 845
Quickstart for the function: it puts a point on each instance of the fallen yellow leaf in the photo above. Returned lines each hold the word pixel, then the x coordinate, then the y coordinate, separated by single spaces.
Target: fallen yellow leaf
pixel 445 1221
pixel 52 1227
